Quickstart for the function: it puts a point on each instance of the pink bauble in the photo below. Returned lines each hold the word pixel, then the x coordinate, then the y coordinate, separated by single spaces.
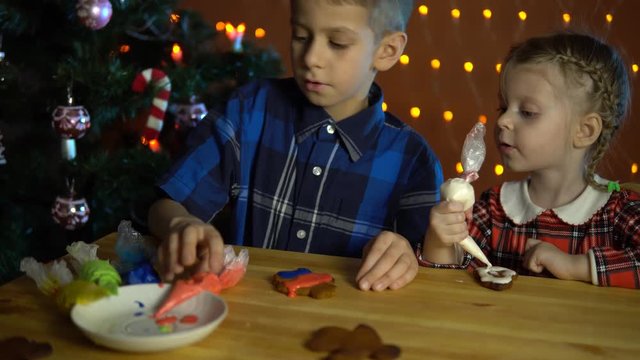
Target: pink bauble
pixel 189 115
pixel 70 213
pixel 71 122
pixel 94 14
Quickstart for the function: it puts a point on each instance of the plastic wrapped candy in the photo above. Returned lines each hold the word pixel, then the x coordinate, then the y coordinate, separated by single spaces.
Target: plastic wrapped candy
pixel 56 280
pixel 232 272
pixel 135 255
pixel 460 189
pixel 92 269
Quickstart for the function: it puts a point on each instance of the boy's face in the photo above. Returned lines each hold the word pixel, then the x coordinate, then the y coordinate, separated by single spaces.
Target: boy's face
pixel 332 49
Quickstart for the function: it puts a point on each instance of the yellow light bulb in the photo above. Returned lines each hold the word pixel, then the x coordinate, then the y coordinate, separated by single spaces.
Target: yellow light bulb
pixel 455 13
pixel 415 112
pixel 498 67
pixel 174 18
pixel 384 106
pixel 609 18
pixel 435 63
pixel 522 15
pixel 566 17
pixel 260 33
pixel 498 169
pixel 634 68
pixel 423 9
pixel 404 59
pixel 447 116
pixel 634 168
pixel 487 13
pixel 459 168
pixel 468 66
pixel 482 119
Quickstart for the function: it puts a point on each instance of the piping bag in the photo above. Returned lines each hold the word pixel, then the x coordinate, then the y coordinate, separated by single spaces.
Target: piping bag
pixel 459 189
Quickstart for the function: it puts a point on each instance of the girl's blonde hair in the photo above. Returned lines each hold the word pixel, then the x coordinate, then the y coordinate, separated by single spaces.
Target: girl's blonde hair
pixel 580 55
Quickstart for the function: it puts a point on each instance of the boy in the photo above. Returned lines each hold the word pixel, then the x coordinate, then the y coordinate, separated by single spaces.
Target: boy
pixel 312 163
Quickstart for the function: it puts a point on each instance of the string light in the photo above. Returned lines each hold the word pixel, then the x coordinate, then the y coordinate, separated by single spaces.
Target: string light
pixel 498 169
pixel 609 18
pixel 404 59
pixel 176 53
pixel 174 18
pixel 220 25
pixel 566 17
pixel 468 66
pixel 634 168
pixel 384 106
pixel 423 9
pixel 522 15
pixel 447 116
pixel 498 67
pixel 124 48
pixel 634 68
pixel 435 64
pixel 260 33
pixel 455 13
pixel 415 112
pixel 459 168
pixel 482 119
pixel 487 14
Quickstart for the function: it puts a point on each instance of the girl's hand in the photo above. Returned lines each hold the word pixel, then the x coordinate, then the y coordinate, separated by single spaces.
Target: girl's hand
pixel 447 223
pixel 541 255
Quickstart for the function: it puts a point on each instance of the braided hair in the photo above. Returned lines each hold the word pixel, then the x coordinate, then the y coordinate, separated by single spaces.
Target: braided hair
pixel 580 56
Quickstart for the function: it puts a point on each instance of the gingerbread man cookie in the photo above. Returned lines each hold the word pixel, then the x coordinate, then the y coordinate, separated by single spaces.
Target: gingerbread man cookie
pixel 363 342
pixel 495 277
pixel 304 282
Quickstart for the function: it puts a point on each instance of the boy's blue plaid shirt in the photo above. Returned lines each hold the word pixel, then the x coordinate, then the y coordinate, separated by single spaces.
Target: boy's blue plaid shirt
pixel 299 181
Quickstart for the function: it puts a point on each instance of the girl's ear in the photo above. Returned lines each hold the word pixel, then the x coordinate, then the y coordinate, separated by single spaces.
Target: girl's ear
pixel 588 131
pixel 389 51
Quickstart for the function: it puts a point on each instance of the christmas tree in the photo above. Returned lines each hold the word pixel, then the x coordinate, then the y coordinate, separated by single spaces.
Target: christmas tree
pixel 84 86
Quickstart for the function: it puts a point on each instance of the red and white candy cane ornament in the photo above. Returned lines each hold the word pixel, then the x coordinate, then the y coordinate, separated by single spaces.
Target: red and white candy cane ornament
pixel 157 78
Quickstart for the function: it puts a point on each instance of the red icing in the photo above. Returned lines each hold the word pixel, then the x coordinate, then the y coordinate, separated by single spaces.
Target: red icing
pixel 184 290
pixel 189 319
pixel 304 281
pixel 167 320
pixel 231 276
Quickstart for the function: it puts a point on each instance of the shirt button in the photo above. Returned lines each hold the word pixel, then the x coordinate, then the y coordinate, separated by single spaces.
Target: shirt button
pixel 317 170
pixel 301 234
pixel 331 129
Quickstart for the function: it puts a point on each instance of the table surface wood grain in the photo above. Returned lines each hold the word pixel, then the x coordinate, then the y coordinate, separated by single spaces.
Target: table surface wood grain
pixel 442 314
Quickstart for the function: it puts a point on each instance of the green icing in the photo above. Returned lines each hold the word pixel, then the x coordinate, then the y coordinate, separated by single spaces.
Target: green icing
pixel 102 273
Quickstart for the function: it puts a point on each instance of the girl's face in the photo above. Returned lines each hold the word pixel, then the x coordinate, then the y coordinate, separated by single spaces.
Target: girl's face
pixel 535 128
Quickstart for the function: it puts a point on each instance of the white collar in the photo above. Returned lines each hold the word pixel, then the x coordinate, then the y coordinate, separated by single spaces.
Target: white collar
pixel 514 198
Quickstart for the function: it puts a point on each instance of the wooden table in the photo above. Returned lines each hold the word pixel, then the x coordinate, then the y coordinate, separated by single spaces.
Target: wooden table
pixel 442 314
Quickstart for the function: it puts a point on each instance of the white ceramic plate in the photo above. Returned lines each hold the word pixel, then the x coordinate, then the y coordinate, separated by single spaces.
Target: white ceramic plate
pixel 124 322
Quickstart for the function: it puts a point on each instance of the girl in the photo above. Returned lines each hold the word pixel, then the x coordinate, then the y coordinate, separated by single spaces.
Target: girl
pixel 562 99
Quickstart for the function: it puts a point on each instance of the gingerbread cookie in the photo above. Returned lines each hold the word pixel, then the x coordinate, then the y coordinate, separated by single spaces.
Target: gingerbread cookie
pixel 495 277
pixel 363 342
pixel 304 282
pixel 21 348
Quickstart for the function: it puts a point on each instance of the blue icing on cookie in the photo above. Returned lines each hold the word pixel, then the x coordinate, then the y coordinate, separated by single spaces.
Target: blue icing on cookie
pixel 292 274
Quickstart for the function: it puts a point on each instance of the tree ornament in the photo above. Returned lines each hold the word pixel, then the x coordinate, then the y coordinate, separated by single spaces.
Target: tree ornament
pixel 189 115
pixel 70 212
pixel 94 14
pixel 2 159
pixel 71 122
pixel 160 81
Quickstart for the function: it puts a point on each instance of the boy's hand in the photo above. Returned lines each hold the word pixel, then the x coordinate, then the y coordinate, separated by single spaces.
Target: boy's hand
pixel 388 262
pixel 541 255
pixel 447 223
pixel 190 242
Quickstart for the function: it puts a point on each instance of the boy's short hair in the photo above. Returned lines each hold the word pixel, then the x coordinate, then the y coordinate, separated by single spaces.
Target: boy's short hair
pixel 385 16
